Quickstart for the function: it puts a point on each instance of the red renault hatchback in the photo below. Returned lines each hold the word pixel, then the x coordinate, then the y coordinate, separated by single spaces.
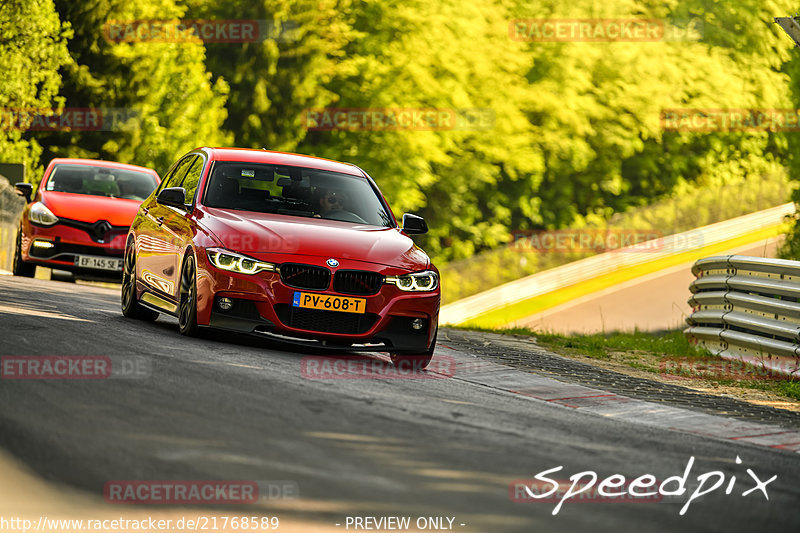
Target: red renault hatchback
pixel 79 217
pixel 295 247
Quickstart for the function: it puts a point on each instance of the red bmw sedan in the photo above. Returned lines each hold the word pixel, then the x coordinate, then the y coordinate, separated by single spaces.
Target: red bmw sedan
pixel 79 217
pixel 299 248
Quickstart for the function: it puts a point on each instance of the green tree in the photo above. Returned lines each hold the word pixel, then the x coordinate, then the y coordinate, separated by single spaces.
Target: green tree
pixel 599 106
pixel 163 86
pixel 452 57
pixel 276 78
pixel 571 132
pixel 33 46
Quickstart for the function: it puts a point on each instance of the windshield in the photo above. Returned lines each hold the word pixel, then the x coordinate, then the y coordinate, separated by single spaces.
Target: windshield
pixel 101 181
pixel 297 191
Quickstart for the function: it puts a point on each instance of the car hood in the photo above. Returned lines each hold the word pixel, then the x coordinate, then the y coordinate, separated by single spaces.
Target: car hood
pixel 262 233
pixel 87 208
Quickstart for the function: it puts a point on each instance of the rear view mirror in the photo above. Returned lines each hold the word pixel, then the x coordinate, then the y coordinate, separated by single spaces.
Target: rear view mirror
pixel 414 225
pixel 25 190
pixel 173 197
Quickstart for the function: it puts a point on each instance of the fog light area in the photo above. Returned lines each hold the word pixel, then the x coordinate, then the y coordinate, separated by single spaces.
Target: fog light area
pixel 225 304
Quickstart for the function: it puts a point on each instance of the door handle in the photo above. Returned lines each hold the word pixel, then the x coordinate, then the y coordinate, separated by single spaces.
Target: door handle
pixel 145 210
pixel 160 220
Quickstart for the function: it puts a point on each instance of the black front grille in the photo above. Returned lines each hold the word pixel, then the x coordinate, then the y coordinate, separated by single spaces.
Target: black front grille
pixel 357 282
pixel 325 321
pixel 305 276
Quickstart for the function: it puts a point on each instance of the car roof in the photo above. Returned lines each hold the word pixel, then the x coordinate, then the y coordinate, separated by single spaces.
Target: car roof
pixel 100 163
pixel 251 155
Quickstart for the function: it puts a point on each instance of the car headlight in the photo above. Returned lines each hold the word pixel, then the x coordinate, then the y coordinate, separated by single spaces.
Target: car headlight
pixel 417 282
pixel 39 214
pixel 226 260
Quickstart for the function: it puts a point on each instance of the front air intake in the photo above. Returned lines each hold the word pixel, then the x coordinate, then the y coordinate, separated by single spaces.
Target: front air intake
pixel 302 276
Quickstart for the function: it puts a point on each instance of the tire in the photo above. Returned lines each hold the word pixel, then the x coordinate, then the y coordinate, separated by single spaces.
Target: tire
pixel 187 307
pixel 415 361
pixel 20 267
pixel 131 307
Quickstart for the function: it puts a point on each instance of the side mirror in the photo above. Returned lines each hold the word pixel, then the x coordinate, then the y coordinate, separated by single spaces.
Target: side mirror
pixel 173 197
pixel 24 189
pixel 414 225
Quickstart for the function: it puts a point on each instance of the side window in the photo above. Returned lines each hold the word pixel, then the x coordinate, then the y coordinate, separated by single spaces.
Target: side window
pixel 175 177
pixel 192 179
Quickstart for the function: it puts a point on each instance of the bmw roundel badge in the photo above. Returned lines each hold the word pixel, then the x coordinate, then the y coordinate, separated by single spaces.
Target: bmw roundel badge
pixel 333 263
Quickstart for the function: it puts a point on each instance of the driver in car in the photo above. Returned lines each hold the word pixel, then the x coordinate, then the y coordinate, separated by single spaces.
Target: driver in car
pixel 332 201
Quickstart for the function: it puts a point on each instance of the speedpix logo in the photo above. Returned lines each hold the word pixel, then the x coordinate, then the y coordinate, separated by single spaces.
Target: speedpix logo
pixel 618 488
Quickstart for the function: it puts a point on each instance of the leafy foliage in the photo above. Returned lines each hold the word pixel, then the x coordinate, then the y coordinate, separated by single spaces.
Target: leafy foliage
pixel 163 87
pixel 575 135
pixel 689 206
pixel 33 46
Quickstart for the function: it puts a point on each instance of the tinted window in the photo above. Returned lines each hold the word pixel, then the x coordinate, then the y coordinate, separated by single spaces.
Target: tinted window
pixel 101 181
pixel 297 191
pixel 175 177
pixel 192 179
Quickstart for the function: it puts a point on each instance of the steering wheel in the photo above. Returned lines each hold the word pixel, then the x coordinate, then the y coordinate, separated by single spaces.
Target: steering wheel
pixel 344 216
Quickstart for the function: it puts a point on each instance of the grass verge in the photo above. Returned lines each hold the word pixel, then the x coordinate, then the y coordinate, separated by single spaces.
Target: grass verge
pixel 670 358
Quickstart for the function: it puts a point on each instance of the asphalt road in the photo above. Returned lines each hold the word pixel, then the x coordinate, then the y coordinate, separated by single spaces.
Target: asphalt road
pixel 237 408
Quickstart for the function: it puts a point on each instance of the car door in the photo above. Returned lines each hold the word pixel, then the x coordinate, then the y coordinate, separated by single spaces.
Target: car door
pixel 178 223
pixel 159 247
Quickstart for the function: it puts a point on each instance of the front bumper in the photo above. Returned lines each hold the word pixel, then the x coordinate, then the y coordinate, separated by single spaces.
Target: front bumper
pixel 67 243
pixel 262 304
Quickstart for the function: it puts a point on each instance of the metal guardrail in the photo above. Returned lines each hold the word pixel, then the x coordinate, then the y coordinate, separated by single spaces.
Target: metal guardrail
pixel 472 307
pixel 748 309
